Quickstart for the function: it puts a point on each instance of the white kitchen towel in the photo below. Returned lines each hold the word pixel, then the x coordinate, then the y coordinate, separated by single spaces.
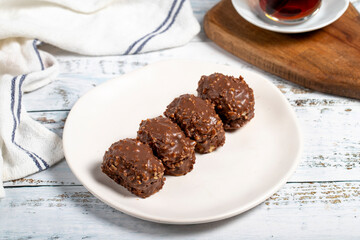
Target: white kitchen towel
pixel 26 146
pixel 91 27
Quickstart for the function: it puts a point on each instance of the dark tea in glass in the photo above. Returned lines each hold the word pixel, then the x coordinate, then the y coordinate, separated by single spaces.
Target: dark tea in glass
pixel 290 11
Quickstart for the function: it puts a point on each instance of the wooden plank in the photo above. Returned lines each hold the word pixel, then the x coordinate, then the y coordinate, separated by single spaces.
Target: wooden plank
pixel 301 210
pixel 331 146
pixel 200 7
pixel 57 175
pixel 331 139
pixel 54 121
pixel 80 74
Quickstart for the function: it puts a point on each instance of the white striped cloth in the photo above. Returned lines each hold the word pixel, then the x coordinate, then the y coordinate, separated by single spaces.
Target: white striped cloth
pixel 90 27
pixel 93 27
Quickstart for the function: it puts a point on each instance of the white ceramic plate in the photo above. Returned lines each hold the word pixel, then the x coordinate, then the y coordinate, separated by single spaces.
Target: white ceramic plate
pixel 329 12
pixel 254 163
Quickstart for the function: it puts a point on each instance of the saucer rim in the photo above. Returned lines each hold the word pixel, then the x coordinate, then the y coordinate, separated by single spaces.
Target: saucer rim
pixel 285 28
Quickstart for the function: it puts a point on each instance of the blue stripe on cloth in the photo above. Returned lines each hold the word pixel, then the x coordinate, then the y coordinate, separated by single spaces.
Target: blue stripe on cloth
pixel 19 114
pixel 20 97
pixel 157 29
pixel 15 125
pixel 38 54
pixel 172 22
pixel 12 107
pixel 42 160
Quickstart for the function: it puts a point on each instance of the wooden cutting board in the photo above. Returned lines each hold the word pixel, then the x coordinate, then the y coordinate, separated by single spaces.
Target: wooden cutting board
pixel 326 60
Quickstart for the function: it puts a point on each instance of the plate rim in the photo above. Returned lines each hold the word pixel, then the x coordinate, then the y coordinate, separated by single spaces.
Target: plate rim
pixel 284 29
pixel 200 220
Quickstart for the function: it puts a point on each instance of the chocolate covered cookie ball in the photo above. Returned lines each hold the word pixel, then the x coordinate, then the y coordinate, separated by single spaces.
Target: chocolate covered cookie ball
pixel 232 97
pixel 199 121
pixel 133 165
pixel 169 144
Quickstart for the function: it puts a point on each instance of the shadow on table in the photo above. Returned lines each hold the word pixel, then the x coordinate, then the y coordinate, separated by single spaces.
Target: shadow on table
pixel 141 226
pixel 132 224
pixel 106 215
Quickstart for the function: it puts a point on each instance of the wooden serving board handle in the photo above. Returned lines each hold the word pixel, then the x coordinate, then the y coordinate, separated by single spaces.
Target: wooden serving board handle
pixel 326 60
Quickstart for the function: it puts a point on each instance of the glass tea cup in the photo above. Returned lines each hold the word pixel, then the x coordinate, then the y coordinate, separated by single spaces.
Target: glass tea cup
pixel 289 11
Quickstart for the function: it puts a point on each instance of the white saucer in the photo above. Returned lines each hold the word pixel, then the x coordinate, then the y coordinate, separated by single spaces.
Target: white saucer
pixel 254 163
pixel 329 12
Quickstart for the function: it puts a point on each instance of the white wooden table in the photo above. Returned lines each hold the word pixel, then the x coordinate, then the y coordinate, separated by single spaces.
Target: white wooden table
pixel 320 201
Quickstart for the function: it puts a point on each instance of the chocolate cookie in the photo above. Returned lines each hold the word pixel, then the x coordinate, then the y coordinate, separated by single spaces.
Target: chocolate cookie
pixel 132 164
pixel 169 144
pixel 232 97
pixel 198 119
